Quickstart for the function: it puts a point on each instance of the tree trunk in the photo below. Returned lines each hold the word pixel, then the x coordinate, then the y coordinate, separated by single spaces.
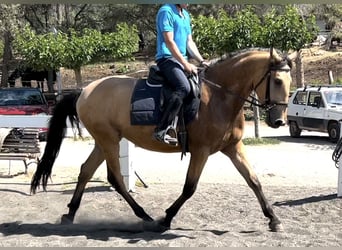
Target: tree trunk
pixel 50 82
pixel 256 118
pixel 331 78
pixel 299 70
pixel 6 59
pixel 78 77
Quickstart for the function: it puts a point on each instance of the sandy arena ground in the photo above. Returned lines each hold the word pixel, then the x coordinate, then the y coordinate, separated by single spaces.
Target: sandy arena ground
pixel 298 176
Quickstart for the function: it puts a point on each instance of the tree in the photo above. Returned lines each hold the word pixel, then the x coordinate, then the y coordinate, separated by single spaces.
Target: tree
pixel 210 34
pixel 79 49
pixel 92 46
pixel 75 49
pixel 43 17
pixel 284 28
pixel 246 30
pixel 290 31
pixel 8 20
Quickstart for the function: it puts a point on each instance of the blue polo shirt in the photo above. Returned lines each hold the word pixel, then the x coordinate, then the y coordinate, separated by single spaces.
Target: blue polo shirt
pixel 168 19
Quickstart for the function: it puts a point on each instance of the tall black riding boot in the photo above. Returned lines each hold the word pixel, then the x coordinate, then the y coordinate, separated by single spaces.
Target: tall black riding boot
pixel 169 114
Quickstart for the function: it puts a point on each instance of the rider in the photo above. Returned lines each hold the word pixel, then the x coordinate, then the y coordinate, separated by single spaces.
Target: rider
pixel 174 42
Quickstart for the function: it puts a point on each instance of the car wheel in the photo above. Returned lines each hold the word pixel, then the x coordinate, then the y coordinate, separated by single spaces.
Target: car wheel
pixel 295 131
pixel 334 132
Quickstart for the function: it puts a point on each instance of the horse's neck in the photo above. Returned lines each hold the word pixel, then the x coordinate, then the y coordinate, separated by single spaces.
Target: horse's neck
pixel 228 85
pixel 239 75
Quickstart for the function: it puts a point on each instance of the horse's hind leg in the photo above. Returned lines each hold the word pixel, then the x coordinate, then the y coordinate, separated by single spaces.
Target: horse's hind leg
pixel 237 156
pixel 88 169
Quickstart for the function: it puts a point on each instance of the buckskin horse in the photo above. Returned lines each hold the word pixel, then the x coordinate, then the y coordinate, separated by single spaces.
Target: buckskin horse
pixel 104 109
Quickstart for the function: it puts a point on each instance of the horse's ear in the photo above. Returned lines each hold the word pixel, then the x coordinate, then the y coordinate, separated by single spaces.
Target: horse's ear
pixel 293 55
pixel 274 55
pixel 271 52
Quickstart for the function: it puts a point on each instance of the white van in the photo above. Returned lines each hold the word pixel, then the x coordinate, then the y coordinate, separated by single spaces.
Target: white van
pixel 316 108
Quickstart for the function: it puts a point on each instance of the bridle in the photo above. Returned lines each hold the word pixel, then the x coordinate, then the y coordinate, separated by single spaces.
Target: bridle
pixel 268 104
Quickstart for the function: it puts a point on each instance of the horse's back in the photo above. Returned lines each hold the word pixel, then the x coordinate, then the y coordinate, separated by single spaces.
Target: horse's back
pixel 106 99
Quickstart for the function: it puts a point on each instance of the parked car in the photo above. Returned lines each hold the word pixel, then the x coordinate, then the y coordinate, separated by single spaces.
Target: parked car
pixel 316 109
pixel 24 101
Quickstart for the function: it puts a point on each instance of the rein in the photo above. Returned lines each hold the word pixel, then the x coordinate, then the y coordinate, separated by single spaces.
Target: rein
pixel 267 105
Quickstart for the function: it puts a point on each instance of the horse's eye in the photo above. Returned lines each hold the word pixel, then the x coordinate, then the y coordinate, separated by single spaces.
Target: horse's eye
pixel 278 81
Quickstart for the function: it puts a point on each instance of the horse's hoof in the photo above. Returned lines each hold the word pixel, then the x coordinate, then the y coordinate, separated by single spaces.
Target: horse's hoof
pixel 66 219
pixel 154 226
pixel 276 226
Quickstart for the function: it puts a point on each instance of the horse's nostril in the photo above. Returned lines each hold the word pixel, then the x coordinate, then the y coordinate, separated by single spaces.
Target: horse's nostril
pixel 279 123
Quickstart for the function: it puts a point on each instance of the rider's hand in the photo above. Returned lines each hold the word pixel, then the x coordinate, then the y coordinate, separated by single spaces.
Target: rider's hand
pixel 204 64
pixel 190 68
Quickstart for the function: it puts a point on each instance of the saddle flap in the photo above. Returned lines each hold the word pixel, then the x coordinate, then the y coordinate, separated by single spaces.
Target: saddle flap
pixel 145 104
pixel 148 103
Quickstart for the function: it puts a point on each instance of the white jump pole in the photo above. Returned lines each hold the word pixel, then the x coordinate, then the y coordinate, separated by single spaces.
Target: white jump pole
pixel 339 181
pixel 126 164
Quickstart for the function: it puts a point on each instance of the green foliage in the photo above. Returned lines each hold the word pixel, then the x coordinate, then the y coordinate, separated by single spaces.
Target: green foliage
pixel 246 30
pixel 40 51
pixel 339 81
pixel 120 44
pixel 285 31
pixel 75 49
pixel 253 141
pixel 211 35
pixel 288 30
pixel 80 47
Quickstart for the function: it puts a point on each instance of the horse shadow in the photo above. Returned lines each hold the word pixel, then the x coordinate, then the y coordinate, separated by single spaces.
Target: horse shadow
pixel 307 200
pixel 133 232
pixel 131 229
pixel 101 188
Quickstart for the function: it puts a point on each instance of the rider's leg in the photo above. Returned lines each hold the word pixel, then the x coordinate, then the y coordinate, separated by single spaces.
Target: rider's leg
pixel 173 106
pixel 179 83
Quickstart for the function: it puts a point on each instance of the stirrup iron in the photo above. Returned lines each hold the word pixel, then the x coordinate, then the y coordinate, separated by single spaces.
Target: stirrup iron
pixel 171 129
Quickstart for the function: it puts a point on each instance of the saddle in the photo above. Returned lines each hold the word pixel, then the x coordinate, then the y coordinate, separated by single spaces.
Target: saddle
pixel 155 77
pixel 149 96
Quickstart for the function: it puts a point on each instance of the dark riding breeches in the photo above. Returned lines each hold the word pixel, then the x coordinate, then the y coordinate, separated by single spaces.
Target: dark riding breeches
pixel 176 78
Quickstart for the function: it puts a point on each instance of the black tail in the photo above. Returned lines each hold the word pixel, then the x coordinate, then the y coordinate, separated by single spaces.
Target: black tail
pixel 66 107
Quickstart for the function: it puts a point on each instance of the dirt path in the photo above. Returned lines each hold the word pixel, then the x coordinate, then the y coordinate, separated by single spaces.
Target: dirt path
pixel 217 215
pixel 299 179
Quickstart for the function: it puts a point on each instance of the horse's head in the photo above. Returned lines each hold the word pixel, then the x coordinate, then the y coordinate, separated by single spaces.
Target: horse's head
pixel 276 94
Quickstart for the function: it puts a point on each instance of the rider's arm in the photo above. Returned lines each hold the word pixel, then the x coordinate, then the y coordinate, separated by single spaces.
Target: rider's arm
pixel 193 50
pixel 172 46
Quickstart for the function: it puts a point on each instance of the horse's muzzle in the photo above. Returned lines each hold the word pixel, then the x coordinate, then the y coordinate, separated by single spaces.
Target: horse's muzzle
pixel 274 119
pixel 278 123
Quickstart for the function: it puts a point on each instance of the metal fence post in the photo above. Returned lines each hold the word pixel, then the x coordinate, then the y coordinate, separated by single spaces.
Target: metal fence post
pixel 339 180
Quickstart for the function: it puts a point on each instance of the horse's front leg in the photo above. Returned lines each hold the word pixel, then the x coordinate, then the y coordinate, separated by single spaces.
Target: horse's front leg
pixel 238 157
pixel 88 169
pixel 197 162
